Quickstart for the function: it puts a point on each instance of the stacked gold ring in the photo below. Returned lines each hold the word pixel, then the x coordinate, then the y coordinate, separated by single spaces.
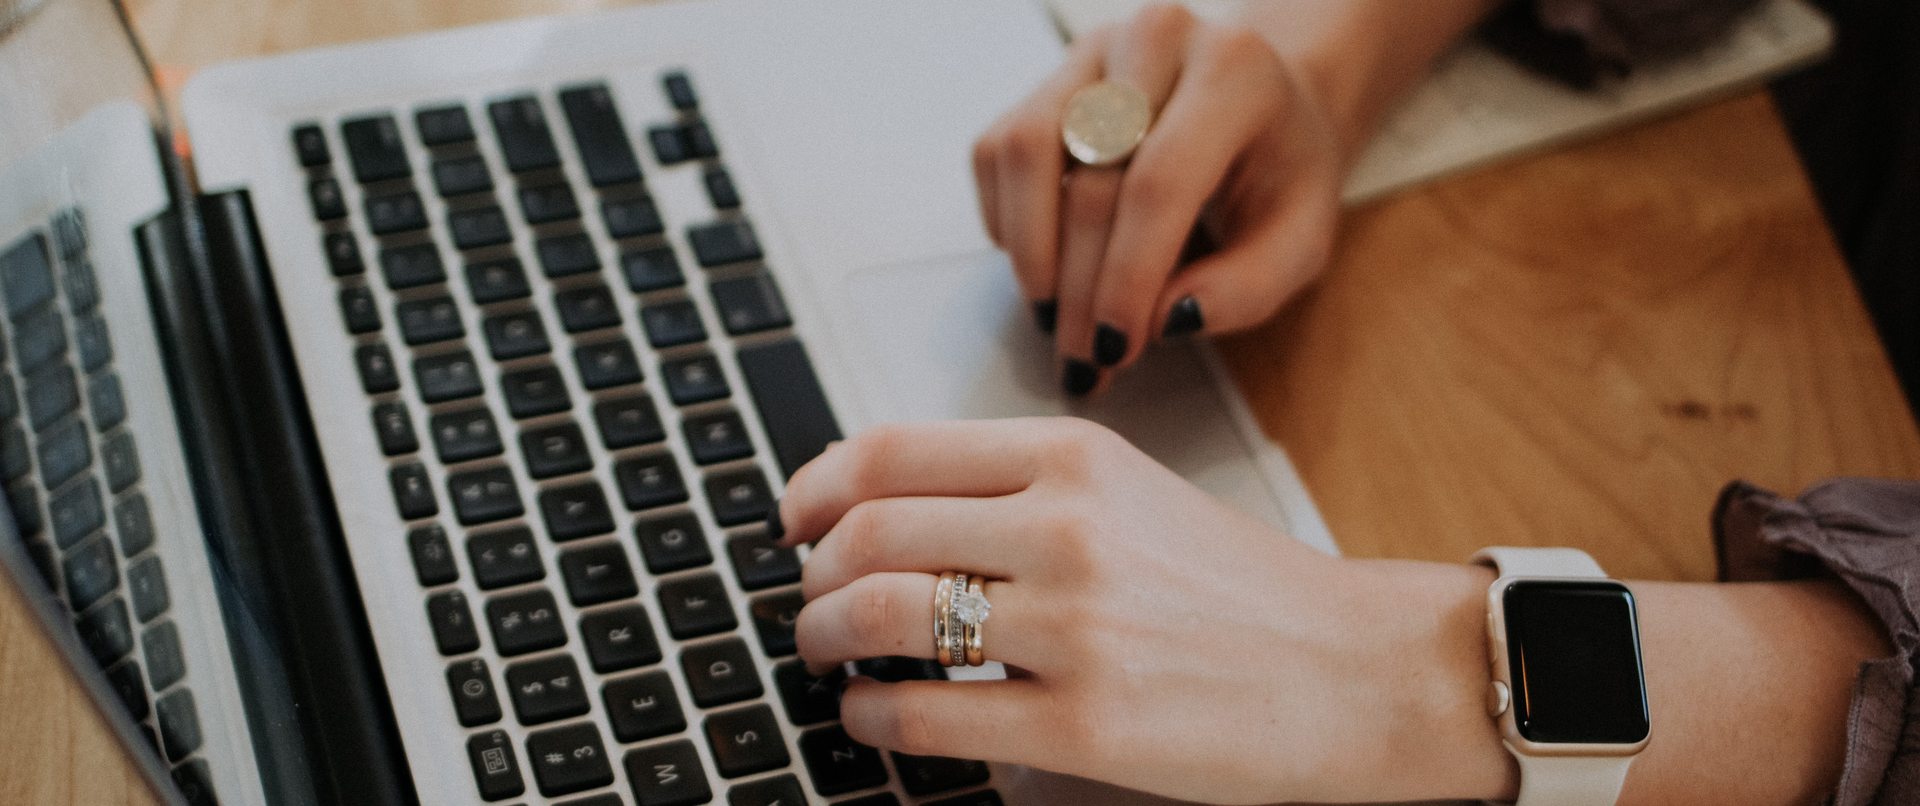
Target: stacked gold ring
pixel 959 607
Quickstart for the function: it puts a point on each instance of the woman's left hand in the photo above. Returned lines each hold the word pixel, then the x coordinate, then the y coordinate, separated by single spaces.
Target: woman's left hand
pixel 1155 638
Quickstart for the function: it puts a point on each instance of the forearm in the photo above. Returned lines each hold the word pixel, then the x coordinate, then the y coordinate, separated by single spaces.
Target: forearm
pixel 1358 57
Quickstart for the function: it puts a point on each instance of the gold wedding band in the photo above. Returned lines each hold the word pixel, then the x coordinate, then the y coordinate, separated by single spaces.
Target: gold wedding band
pixel 975 656
pixel 1104 122
pixel 943 618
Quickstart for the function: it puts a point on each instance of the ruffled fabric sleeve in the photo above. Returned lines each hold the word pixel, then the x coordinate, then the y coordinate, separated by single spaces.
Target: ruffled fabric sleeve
pixel 1866 534
pixel 1583 42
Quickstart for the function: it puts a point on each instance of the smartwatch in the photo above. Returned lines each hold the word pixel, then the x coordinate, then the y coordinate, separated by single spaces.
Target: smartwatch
pixel 1568 689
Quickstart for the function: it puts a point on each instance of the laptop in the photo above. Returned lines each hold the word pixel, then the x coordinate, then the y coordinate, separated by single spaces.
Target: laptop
pixel 401 430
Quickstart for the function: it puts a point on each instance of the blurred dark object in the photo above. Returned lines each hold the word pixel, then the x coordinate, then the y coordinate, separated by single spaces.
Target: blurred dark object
pixel 1583 42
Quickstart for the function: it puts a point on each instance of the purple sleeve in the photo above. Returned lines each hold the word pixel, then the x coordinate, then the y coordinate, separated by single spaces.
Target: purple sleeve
pixel 1865 533
pixel 1582 42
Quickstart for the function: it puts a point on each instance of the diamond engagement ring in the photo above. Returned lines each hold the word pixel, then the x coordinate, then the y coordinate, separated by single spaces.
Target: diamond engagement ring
pixel 1104 122
pixel 958 610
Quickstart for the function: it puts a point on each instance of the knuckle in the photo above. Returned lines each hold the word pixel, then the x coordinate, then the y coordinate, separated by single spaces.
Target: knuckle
pixel 912 727
pixel 1149 185
pixel 1160 23
pixel 876 450
pixel 1239 49
pixel 1028 143
pixel 859 536
pixel 871 611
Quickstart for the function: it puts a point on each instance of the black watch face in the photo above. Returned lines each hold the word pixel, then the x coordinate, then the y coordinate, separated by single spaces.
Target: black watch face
pixel 1574 651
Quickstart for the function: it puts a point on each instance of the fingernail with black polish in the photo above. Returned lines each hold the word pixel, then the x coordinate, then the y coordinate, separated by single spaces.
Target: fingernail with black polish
pixel 1183 319
pixel 1079 377
pixel 775 529
pixel 1045 314
pixel 1109 345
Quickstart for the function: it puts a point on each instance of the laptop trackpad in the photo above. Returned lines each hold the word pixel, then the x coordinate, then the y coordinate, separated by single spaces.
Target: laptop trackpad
pixel 951 339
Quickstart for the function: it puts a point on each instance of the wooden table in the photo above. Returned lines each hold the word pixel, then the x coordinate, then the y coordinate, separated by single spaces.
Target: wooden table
pixel 1578 348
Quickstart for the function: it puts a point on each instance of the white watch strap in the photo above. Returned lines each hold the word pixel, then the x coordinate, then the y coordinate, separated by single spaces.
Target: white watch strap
pixel 1570 780
pixel 1519 562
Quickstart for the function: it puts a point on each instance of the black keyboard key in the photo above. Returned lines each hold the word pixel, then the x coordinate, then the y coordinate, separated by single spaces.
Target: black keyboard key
pixel 83 288
pixel 651 269
pixel 586 308
pixel 425 321
pixel 90 572
pixel 460 175
pixel 747 741
pixel 524 138
pixel 985 797
pixel 343 254
pixel 749 304
pixel 556 450
pixel 133 523
pixel 720 673
pixel 895 668
pixel 24 500
pixel 643 707
pixel 497 281
pixel 121 460
pixel 503 558
pixel 193 780
pixel 63 453
pixel 396 213
pixel 90 341
pixel 166 663
pixel 357 307
pixel 672 543
pixel 447 377
pixel 568 759
pixel 567 255
pixel 717 437
pixel 525 622
pixel 495 769
pixel 700 140
pixel 548 203
pixel 546 689
pixel 39 336
pixel 9 398
pixel 575 511
pixel 720 188
pixel 51 393
pixel 628 421
pixel 26 274
pixel 474 701
pixel 375 149
pixel 792 407
pixel 432 556
pixel 667 775
pixel 773 618
pixel 671 324
pixel 75 513
pixel 649 481
pixel 479 227
pixel 838 764
pixel 779 790
pixel 739 497
pixel 412 266
pixel 106 632
pixel 413 492
pixel 696 606
pixel 516 335
pixel 607 364
pixel 147 586
pixel 694 379
pixel 179 724
pixel 601 136
pixel 680 91
pixel 597 574
pixel 723 242
pixel 484 496
pixel 462 436
pixel 324 195
pixel 377 373
pixel 669 144
pixel 132 688
pixel 104 400
pixel 927 775
pixel 620 638
pixel 808 699
pixel 534 392
pixel 636 217
pixel 452 621
pixel 16 458
pixel 394 427
pixel 443 125
pixel 310 145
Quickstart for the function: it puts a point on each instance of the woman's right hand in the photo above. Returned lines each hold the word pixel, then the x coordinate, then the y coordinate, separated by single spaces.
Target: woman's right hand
pixel 1238 145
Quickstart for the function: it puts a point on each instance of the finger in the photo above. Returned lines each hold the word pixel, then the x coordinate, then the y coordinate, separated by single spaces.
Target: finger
pixel 1183 161
pixel 1030 159
pixel 1086 223
pixel 879 615
pixel 1242 285
pixel 1146 53
pixel 991 536
pixel 982 458
pixel 989 720
pixel 986 181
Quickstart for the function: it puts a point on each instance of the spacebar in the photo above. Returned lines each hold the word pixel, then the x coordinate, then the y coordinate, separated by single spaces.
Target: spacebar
pixel 792 407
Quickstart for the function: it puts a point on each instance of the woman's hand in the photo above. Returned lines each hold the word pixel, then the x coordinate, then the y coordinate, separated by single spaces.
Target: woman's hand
pixel 1238 145
pixel 1155 638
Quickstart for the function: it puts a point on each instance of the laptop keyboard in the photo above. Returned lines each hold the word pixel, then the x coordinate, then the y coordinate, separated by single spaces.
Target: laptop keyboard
pixel 74 481
pixel 552 431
